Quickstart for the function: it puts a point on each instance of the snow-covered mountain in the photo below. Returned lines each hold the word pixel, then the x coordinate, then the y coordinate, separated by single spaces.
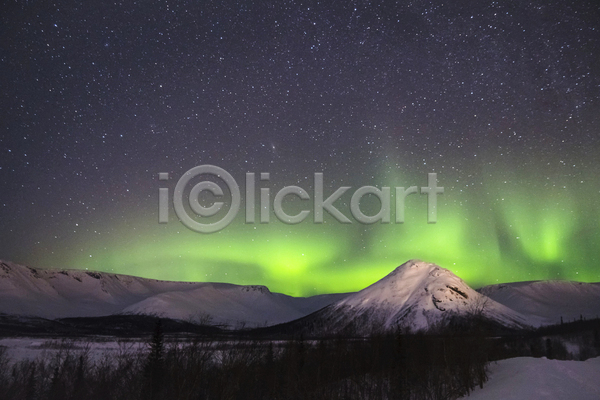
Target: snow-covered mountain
pixel 74 293
pixel 233 305
pixel 416 296
pixel 549 300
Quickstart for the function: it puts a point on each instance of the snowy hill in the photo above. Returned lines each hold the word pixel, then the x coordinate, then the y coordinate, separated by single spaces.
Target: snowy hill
pixel 416 296
pixel 238 306
pixel 74 293
pixel 549 300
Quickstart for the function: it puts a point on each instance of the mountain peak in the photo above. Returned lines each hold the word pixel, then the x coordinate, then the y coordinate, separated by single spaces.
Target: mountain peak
pixel 417 267
pixel 416 295
pixel 410 264
pixel 408 283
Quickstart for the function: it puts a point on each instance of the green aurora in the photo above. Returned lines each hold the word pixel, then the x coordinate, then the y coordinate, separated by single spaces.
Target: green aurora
pixel 512 228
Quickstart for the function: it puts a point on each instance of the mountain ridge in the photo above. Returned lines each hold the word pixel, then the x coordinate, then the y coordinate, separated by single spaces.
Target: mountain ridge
pixel 550 300
pixel 414 296
pixel 60 293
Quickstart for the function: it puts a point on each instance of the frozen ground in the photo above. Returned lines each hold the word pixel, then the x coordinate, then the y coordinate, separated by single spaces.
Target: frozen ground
pixel 24 348
pixel 106 348
pixel 522 378
pixel 526 378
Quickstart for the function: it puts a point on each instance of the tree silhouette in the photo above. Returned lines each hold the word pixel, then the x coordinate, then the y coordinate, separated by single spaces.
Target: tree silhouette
pixel 155 363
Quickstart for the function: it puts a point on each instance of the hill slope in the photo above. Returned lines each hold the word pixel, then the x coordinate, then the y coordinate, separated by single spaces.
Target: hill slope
pixel 549 300
pixel 73 293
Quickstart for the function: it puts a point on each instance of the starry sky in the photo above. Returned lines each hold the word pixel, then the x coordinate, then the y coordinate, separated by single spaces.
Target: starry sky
pixel 500 98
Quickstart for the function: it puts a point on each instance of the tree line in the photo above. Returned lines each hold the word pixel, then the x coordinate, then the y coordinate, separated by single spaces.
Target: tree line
pixel 393 366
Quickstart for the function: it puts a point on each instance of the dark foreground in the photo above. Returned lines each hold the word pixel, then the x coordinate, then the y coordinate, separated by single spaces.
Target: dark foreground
pixel 216 365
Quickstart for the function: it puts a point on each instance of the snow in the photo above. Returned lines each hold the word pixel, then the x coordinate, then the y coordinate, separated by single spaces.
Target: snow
pixel 98 348
pixel 522 378
pixel 228 304
pixel 549 300
pixel 417 295
pixel 74 293
pixel 526 378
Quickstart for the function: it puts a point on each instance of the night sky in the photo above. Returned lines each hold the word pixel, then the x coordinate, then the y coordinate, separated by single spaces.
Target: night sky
pixel 500 98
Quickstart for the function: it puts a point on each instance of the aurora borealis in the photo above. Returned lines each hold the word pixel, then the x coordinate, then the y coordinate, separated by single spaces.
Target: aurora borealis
pixel 500 99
